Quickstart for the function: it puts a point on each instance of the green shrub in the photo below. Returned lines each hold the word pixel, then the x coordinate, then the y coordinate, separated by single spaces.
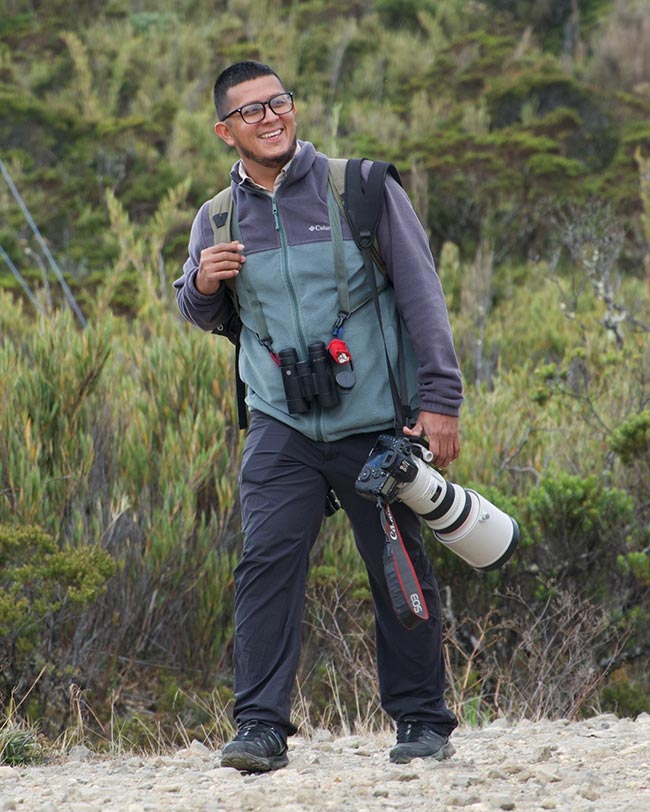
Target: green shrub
pixel 576 527
pixel 626 695
pixel 19 745
pixel 42 587
pixel 631 439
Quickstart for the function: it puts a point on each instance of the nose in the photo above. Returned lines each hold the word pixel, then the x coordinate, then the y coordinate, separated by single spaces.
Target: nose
pixel 269 113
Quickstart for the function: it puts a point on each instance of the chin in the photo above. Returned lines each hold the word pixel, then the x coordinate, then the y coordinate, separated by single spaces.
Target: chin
pixel 280 157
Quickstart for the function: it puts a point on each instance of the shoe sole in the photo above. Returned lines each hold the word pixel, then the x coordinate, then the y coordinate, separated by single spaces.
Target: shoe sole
pixel 248 763
pixel 401 757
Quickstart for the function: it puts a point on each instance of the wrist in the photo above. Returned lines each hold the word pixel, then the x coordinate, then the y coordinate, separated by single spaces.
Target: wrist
pixel 199 285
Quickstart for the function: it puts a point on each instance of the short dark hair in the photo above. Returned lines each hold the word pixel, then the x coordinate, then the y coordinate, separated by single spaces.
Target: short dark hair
pixel 234 75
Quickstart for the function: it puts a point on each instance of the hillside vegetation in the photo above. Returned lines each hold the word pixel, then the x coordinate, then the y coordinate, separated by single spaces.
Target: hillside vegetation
pixel 523 137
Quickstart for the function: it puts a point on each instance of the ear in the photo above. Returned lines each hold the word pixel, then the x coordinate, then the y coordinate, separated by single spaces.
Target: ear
pixel 223 132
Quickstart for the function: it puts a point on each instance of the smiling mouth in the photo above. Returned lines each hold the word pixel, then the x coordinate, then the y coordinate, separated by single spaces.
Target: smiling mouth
pixel 273 134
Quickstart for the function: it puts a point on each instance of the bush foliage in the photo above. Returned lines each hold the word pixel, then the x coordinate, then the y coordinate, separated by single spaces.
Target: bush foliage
pixel 488 122
pixel 119 451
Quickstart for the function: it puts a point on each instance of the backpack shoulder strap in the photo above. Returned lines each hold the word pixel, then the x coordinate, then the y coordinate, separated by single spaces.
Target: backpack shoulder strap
pixel 364 200
pixel 337 179
pixel 220 211
pixel 221 219
pixel 364 204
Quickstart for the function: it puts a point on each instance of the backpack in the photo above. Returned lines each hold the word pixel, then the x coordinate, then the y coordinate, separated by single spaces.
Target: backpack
pixel 362 204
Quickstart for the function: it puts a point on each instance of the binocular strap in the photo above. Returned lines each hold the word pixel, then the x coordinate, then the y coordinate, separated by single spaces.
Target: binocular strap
pixel 403 585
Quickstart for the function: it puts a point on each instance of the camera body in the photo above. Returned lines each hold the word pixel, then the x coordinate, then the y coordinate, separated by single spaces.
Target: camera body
pixel 461 519
pixel 389 465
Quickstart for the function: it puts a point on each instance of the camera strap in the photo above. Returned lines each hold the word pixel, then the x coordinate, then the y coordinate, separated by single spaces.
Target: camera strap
pixel 364 204
pixel 403 585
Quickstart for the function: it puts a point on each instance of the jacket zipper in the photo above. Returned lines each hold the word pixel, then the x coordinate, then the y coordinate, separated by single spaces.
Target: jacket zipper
pixel 291 289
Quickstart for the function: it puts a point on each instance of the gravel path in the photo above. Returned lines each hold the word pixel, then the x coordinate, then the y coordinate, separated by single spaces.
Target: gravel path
pixel 599 765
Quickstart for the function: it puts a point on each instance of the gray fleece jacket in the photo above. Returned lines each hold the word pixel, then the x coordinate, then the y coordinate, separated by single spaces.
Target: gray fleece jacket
pixel 290 267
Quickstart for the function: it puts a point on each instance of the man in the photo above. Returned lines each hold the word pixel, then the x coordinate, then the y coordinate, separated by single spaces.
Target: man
pixel 288 288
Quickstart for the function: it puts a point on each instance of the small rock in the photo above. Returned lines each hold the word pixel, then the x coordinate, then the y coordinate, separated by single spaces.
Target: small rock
pixel 590 793
pixel 514 768
pixel 464 800
pixel 543 754
pixel 547 775
pixel 199 748
pixel 79 753
pixel 634 750
pixel 171 788
pixel 173 762
pixel 321 734
pixel 461 781
pixel 502 802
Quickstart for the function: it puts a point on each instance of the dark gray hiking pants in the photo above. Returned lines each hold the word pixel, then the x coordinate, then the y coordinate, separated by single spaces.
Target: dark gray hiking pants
pixel 284 481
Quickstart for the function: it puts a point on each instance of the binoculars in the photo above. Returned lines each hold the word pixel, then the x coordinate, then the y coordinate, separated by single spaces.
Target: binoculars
pixel 306 382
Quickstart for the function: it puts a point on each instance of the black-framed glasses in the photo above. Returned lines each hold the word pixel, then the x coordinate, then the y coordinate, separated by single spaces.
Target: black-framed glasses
pixel 255 112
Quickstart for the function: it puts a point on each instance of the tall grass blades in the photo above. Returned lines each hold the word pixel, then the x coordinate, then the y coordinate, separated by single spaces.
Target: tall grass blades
pixel 121 437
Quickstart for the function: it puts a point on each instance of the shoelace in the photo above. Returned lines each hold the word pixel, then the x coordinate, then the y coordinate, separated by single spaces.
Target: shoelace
pixel 409 731
pixel 247 729
pixel 259 730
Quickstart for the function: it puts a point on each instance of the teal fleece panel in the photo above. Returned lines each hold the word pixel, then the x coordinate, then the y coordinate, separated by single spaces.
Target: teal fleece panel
pixel 297 292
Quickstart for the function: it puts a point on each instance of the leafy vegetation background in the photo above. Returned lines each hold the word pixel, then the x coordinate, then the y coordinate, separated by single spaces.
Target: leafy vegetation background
pixel 522 131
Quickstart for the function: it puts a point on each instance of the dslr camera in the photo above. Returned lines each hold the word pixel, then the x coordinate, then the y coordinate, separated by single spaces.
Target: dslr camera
pixel 461 519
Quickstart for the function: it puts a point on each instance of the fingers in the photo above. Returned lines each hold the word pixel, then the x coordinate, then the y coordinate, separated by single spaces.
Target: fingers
pixel 441 432
pixel 218 262
pixel 445 449
pixel 446 452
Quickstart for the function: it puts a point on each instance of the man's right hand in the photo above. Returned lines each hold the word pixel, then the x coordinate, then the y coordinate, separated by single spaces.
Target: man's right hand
pixel 222 261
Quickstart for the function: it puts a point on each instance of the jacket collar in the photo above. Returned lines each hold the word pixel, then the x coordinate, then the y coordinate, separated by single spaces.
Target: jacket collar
pixel 302 161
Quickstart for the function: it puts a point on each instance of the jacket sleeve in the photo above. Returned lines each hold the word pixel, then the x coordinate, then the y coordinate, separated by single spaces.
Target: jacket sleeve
pixel 420 300
pixel 213 312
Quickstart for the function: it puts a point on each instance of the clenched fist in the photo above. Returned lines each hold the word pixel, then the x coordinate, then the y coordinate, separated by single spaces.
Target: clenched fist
pixel 222 261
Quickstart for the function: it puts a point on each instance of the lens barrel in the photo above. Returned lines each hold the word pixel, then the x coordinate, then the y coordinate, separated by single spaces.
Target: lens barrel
pixel 323 381
pixel 464 521
pixel 293 379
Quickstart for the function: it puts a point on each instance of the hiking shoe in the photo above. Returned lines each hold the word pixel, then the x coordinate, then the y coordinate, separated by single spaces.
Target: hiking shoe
pixel 419 740
pixel 257 748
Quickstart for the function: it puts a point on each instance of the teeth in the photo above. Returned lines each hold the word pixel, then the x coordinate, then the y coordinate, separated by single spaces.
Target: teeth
pixel 271 135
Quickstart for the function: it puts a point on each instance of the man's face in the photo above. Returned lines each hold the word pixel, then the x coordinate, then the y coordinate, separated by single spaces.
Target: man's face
pixel 269 143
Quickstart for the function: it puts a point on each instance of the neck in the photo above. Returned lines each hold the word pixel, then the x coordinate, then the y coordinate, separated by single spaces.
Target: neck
pixel 265 171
